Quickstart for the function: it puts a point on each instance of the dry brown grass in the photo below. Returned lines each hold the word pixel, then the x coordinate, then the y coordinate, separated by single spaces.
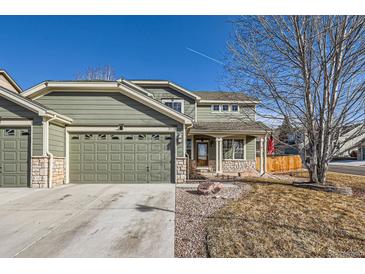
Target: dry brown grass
pixel 279 220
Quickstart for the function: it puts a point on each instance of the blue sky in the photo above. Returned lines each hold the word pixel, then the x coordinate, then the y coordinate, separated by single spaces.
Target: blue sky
pixel 41 48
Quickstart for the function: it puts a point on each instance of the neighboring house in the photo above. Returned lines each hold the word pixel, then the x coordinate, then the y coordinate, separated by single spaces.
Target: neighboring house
pixel 122 132
pixel 353 147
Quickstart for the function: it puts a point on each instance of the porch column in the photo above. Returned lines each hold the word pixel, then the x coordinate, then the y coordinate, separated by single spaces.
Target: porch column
pixel 192 147
pixel 261 156
pixel 218 154
pixel 265 153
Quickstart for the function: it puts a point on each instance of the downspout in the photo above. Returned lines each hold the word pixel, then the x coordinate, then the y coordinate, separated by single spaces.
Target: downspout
pixel 50 155
pixel 187 155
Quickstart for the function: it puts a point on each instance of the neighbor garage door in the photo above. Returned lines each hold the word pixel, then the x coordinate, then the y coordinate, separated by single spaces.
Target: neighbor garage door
pixel 14 157
pixel 121 158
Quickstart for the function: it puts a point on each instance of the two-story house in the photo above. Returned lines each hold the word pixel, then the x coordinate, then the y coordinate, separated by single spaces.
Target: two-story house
pixel 124 131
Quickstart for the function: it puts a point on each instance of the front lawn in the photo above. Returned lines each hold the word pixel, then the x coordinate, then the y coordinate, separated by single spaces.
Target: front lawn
pixel 279 220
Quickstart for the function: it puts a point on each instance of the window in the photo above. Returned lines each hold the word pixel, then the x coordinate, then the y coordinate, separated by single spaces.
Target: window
pixel 155 137
pixel 75 137
pixel 175 104
pixel 88 136
pixel 102 137
pixel 142 137
pixel 128 137
pixel 115 137
pixel 233 149
pixel 9 132
pixel 225 107
pixel 24 132
pixel 188 147
pixel 234 108
pixel 215 107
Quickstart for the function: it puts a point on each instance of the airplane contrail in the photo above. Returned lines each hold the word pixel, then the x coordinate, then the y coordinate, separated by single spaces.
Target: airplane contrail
pixel 206 56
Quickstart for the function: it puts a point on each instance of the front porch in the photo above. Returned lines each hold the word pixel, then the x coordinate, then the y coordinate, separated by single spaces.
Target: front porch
pixel 220 153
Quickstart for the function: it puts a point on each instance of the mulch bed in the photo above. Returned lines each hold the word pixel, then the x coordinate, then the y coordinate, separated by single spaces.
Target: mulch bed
pixel 192 213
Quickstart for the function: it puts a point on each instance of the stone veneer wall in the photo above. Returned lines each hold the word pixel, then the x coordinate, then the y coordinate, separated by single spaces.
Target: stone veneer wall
pixel 233 166
pixel 39 174
pixel 180 170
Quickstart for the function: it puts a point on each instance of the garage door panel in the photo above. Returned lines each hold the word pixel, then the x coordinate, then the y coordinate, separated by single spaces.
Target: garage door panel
pixel 128 157
pixel 102 157
pixel 141 157
pixel 116 157
pixel 102 147
pixel 14 157
pixel 121 158
pixel 101 167
pixel 9 156
pixel 102 177
pixel 88 147
pixel 88 157
pixel 88 167
pixel 10 144
pixel 115 167
pixel 129 167
pixel 128 147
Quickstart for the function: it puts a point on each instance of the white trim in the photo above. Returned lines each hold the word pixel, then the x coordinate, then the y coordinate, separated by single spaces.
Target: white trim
pixel 126 129
pixel 228 132
pixel 67 158
pixel 118 87
pixel 196 112
pixel 228 102
pixel 168 84
pixel 155 105
pixel 136 87
pixel 16 123
pixel 181 101
pixel 11 80
pixel 45 135
pixel 34 108
pixel 243 138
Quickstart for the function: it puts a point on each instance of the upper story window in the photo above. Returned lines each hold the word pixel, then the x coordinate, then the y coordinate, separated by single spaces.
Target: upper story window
pixel 234 108
pixel 215 108
pixel 225 108
pixel 175 104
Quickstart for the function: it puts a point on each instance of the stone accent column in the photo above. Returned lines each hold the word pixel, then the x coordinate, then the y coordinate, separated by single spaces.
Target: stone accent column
pixel 180 170
pixel 39 174
pixel 59 171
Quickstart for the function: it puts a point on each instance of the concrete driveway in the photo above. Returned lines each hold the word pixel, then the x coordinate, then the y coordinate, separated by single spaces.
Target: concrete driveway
pixel 88 221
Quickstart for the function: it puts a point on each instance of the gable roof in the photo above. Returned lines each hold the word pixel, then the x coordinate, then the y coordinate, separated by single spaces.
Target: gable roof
pixel 223 96
pixel 10 80
pixel 121 86
pixel 165 83
pixel 36 107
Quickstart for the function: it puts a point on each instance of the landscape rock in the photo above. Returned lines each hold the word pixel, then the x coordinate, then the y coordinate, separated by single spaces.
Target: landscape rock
pixel 207 188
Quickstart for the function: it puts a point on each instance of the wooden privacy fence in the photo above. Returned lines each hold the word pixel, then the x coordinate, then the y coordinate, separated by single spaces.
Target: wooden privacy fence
pixel 281 163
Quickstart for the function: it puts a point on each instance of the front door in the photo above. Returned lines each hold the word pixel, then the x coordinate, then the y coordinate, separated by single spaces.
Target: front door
pixel 202 154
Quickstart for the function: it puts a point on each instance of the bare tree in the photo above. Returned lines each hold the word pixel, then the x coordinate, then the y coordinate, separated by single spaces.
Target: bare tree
pixel 310 69
pixel 97 73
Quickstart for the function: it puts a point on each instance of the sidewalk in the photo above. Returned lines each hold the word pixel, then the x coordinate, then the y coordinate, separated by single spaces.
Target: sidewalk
pixel 348 163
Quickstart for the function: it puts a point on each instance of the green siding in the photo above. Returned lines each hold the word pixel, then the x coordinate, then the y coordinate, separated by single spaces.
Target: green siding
pixel 169 93
pixel 10 110
pixel 247 113
pixel 37 137
pixel 104 109
pixel 250 148
pixel 57 140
